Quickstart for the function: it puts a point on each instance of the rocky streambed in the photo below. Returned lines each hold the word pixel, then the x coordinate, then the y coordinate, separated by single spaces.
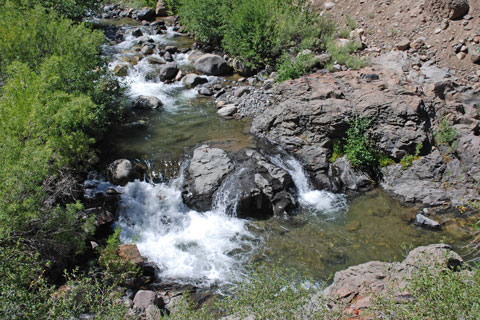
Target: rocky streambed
pixel 203 192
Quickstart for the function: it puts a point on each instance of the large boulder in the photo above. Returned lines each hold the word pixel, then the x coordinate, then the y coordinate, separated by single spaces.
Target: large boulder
pixel 147 102
pixel 168 71
pixel 309 114
pixel 192 80
pixel 212 64
pixel 258 188
pixel 207 169
pixel 453 9
pixel 351 178
pixel 355 288
pixel 253 187
pixel 121 172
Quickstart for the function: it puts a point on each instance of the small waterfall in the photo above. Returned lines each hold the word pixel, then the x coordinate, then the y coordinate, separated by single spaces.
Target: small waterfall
pixel 318 200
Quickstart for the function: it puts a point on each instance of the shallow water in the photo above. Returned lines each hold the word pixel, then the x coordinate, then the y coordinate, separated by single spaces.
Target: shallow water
pixel 329 233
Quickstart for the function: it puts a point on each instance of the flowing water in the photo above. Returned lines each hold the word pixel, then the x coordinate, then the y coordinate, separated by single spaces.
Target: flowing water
pixel 330 232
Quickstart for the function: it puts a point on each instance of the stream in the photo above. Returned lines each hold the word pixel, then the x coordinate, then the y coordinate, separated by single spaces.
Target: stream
pixel 206 249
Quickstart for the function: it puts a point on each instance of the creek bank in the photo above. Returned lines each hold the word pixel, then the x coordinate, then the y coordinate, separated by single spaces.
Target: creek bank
pixel 355 289
pixel 307 116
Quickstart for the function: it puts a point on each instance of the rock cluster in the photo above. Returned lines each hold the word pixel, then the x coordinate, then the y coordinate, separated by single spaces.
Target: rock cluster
pixel 246 182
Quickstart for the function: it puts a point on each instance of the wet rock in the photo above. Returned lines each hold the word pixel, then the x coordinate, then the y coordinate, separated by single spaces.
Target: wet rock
pixel 192 80
pixel 122 171
pixel 147 102
pixel 137 33
pixel 427 223
pixel 350 177
pixel 168 71
pixel 227 110
pixel 261 189
pixel 168 57
pixel 156 60
pixel 207 169
pixel 212 64
pixel 121 70
pixel 171 49
pixel 130 254
pixel 147 49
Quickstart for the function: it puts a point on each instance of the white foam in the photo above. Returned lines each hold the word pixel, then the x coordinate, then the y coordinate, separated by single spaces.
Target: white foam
pixel 188 246
pixel 319 200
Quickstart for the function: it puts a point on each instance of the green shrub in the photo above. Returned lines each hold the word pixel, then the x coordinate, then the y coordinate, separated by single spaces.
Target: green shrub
pixel 350 22
pixel 408 159
pixel 25 293
pixel 250 32
pixel 337 151
pixel 446 134
pixel 343 55
pixel 292 68
pixel 358 147
pixel 205 18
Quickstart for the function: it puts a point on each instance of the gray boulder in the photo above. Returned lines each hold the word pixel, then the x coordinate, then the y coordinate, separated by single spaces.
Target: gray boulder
pixel 147 102
pixel 212 64
pixel 168 71
pixel 192 80
pixel 260 189
pixel 351 178
pixel 228 110
pixel 207 169
pixel 121 172
pixel 144 299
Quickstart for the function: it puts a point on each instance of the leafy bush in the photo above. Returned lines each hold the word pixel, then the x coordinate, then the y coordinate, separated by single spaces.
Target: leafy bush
pixel 343 55
pixel 206 18
pixel 436 295
pixel 25 293
pixel 408 159
pixel 289 68
pixel 350 22
pixel 358 147
pixel 446 134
